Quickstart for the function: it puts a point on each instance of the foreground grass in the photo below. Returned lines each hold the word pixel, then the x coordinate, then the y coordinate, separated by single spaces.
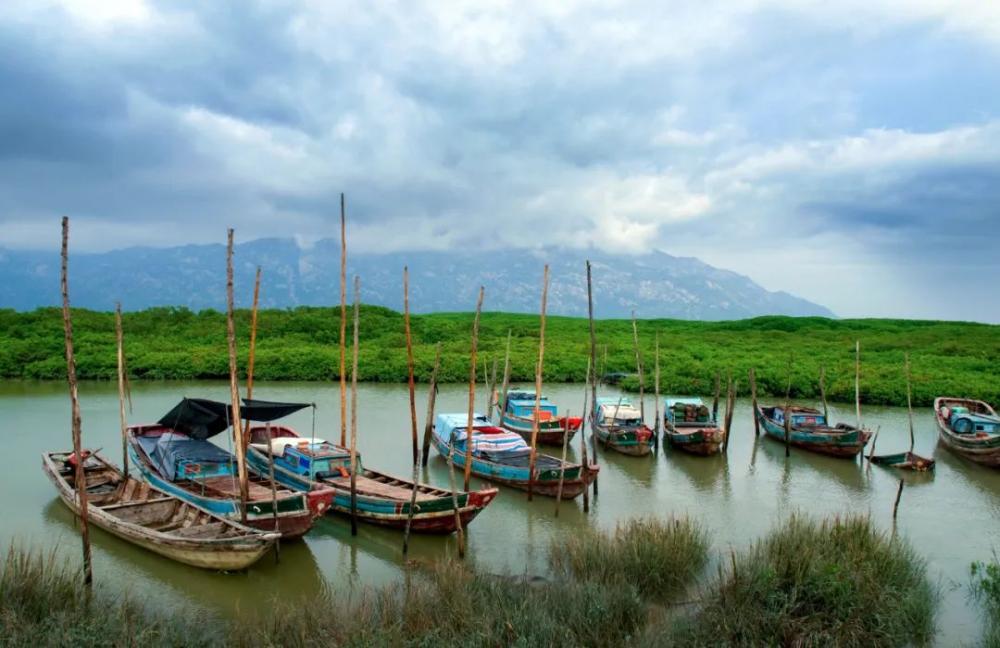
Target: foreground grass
pixel 986 590
pixel 660 558
pixel 838 582
pixel 950 358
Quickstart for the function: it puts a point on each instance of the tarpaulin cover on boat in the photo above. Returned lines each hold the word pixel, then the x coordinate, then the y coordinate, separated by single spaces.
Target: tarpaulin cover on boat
pixel 200 418
pixel 169 452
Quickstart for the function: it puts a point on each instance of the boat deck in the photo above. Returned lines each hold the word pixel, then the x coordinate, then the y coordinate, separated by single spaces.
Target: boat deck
pixel 229 486
pixel 368 486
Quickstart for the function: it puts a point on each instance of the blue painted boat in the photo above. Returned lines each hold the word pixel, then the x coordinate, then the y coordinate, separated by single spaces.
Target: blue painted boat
pixel 970 428
pixel 175 456
pixel 303 463
pixel 503 457
pixel 688 425
pixel 619 426
pixel 809 430
pixel 518 415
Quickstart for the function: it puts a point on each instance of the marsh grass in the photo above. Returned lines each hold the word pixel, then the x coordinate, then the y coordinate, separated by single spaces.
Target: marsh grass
pixel 838 582
pixel 660 558
pixel 986 591
pixel 44 603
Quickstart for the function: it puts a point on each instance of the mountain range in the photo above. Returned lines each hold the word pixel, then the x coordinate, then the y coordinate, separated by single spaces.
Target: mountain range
pixel 654 284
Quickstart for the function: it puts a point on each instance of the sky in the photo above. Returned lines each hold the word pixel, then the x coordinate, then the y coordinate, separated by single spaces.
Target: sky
pixel 847 152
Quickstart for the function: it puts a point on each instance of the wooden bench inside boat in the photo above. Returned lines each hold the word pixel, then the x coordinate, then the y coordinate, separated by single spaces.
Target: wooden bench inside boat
pixel 229 486
pixel 368 486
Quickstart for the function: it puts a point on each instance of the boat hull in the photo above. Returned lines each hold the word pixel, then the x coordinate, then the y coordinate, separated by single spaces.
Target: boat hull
pixel 576 478
pixel 904 461
pixel 634 443
pixel 432 516
pixel 220 554
pixel 697 441
pixel 841 445
pixel 985 451
pixel 550 432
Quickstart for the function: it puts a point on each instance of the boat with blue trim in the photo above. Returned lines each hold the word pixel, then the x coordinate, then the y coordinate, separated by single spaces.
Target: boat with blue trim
pixel 618 425
pixel 688 425
pixel 518 415
pixel 808 429
pixel 970 428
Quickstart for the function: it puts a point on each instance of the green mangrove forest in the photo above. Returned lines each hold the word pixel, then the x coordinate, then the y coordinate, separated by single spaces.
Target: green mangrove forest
pixel 948 358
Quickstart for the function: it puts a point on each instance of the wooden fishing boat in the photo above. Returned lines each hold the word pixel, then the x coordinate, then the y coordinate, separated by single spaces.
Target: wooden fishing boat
pixel 153 519
pixel 810 431
pixel 970 428
pixel 518 414
pixel 904 461
pixel 503 457
pixel 688 425
pixel 618 425
pixel 175 456
pixel 303 463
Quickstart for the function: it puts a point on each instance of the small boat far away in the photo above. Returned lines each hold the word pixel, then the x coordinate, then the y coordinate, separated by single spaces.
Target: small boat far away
pixel 688 425
pixel 304 463
pixel 148 517
pixel 175 456
pixel 501 456
pixel 808 429
pixel 619 426
pixel 970 428
pixel 518 414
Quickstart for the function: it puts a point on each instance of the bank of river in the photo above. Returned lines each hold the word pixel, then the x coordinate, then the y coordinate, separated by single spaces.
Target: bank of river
pixel 952 517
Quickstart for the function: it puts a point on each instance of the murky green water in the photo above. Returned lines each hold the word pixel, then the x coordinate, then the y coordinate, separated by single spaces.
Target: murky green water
pixel 951 517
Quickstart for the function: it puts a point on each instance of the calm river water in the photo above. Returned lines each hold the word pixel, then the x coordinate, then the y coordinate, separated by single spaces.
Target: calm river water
pixel 952 516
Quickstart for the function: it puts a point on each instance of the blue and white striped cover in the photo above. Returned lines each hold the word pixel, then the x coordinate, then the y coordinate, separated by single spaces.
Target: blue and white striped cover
pixel 481 443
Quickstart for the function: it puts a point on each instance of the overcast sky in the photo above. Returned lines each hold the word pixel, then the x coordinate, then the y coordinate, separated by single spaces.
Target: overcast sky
pixel 846 151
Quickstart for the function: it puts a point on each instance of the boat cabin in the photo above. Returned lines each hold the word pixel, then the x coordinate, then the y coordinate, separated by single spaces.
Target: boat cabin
pixel 802 417
pixel 521 404
pixel 963 421
pixel 618 412
pixel 178 456
pixel 686 411
pixel 308 456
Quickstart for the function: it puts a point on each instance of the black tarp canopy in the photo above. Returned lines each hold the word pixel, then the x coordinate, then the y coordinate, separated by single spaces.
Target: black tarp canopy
pixel 200 418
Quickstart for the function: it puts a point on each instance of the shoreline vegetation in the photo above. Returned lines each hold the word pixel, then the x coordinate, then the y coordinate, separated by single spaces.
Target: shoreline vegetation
pixel 948 358
pixel 838 581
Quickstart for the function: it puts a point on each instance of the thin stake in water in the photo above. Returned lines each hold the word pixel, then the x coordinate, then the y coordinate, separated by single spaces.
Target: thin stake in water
pixel 413 407
pixel 354 410
pixel 538 385
pixel 638 367
pixel 234 389
pixel 593 363
pixel 472 392
pixel 343 323
pixel 124 393
pixel 431 396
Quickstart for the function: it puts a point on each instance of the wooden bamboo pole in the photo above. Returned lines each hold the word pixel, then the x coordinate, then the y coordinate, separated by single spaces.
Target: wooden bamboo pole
pixel 733 386
pixel 871 453
pixel 413 407
pixel 122 389
pixel 538 385
pixel 593 362
pixel 354 410
pixel 459 533
pixel 715 399
pixel 562 465
pixel 895 505
pixel 584 463
pixel 253 334
pixel 857 380
pixel 234 389
pixel 788 414
pixel 752 375
pixel 343 323
pixel 909 399
pixel 502 405
pixel 274 489
pixel 472 392
pixel 80 477
pixel 656 389
pixel 638 366
pixel 492 390
pixel 822 393
pixel 431 396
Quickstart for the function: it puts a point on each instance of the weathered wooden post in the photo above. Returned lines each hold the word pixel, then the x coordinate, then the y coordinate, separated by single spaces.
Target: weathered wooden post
pixel 502 405
pixel 354 410
pixel 730 409
pixel 538 385
pixel 234 389
pixel 715 398
pixel 822 393
pixel 593 362
pixel 584 463
pixel 472 391
pixel 857 380
pixel 788 413
pixel 431 396
pixel 562 466
pixel 656 390
pixel 638 367
pixel 909 399
pixel 895 505
pixel 753 397
pixel 413 407
pixel 460 534
pixel 124 393
pixel 343 323
pixel 80 477
pixel 253 334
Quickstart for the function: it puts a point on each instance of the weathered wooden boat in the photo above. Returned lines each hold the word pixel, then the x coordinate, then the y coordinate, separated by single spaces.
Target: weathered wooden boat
pixel 809 430
pixel 970 428
pixel 302 463
pixel 175 456
pixel 518 415
pixel 147 517
pixel 904 461
pixel 503 457
pixel 618 425
pixel 688 425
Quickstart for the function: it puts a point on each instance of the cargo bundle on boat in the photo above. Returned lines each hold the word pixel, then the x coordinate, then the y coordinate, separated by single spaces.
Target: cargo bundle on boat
pixel 305 463
pixel 618 425
pixel 501 456
pixel 518 414
pixel 808 429
pixel 970 428
pixel 688 425
pixel 153 519
pixel 175 455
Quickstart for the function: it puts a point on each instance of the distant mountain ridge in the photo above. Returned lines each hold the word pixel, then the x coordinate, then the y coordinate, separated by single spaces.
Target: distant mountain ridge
pixel 654 284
